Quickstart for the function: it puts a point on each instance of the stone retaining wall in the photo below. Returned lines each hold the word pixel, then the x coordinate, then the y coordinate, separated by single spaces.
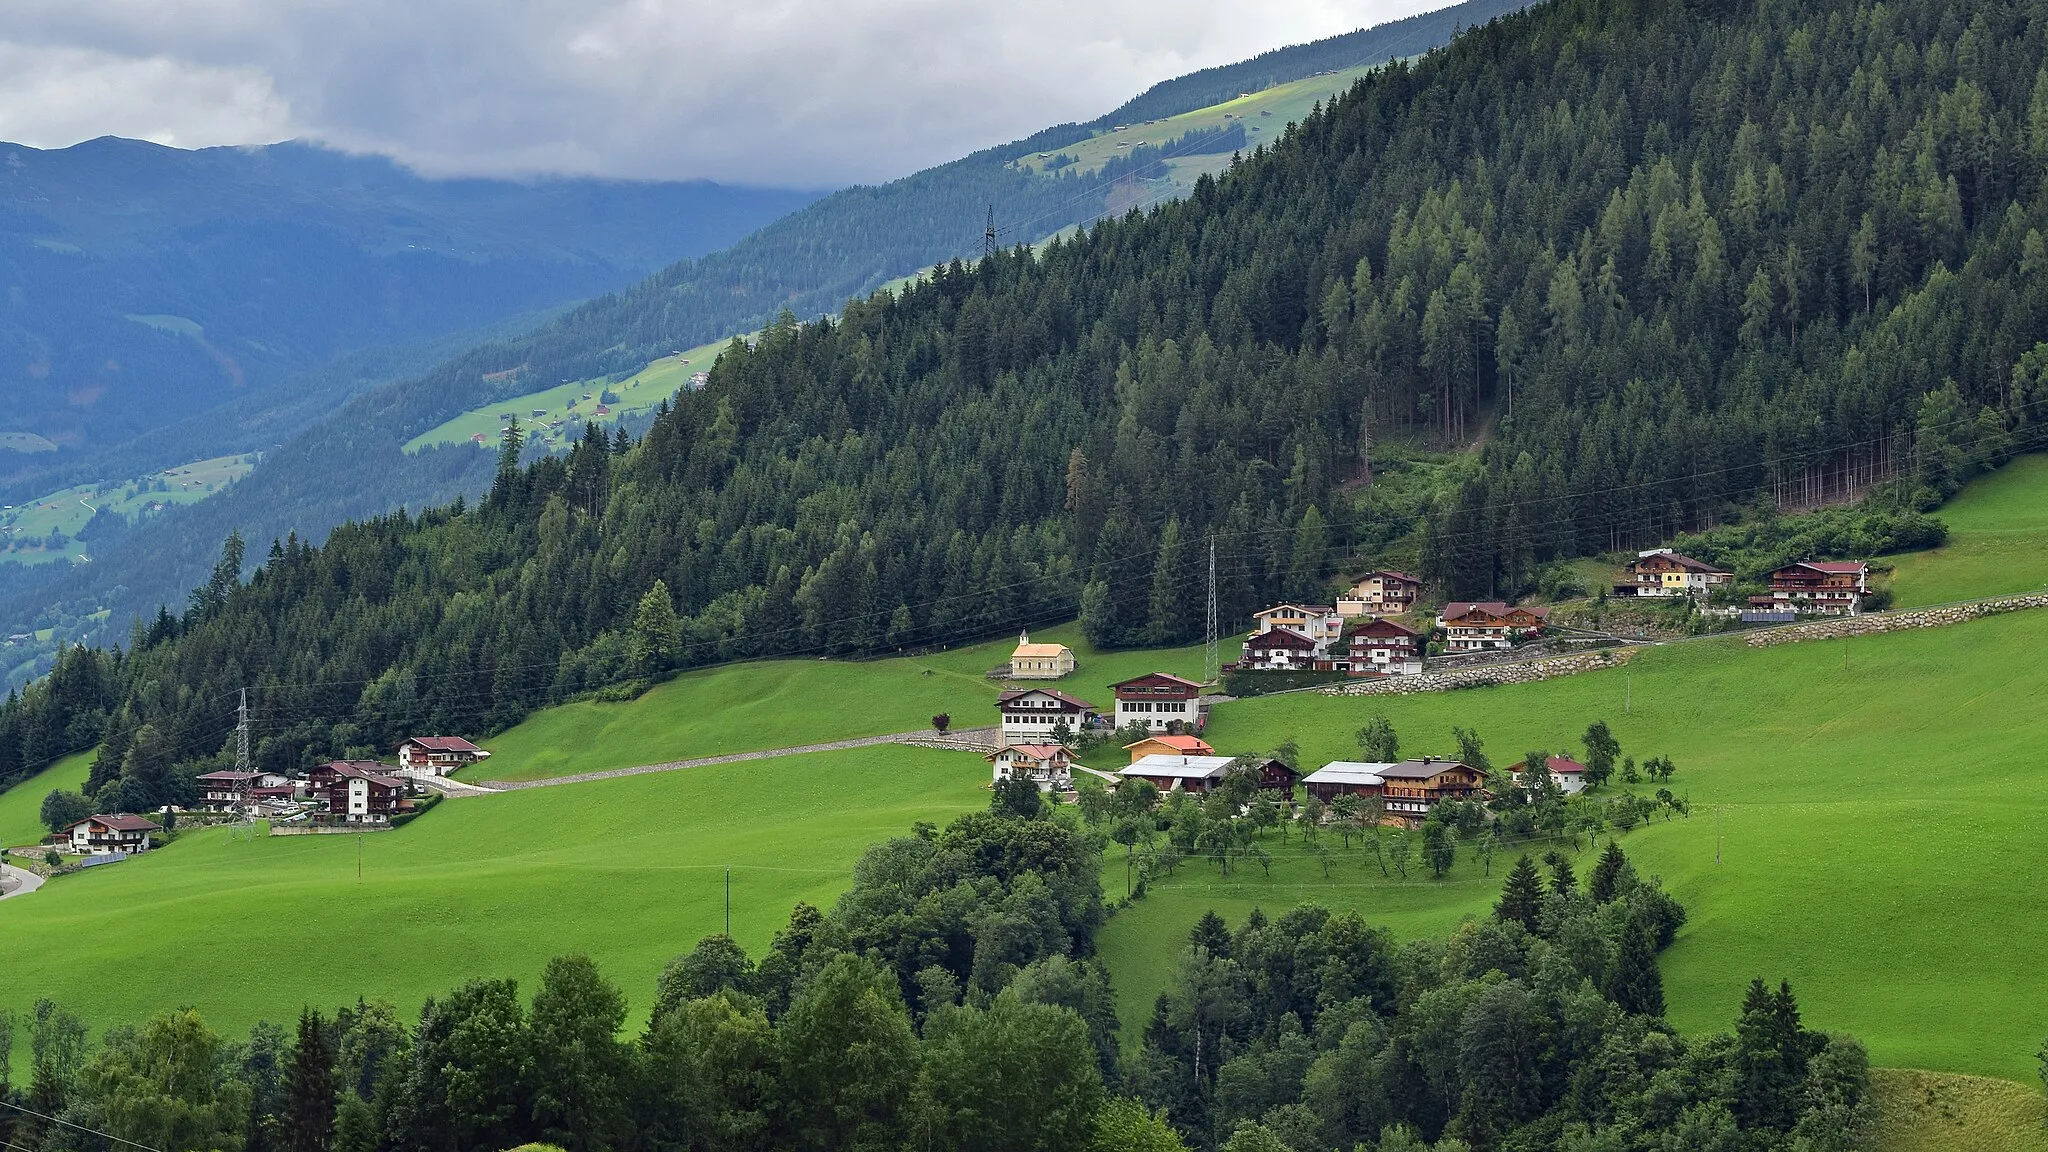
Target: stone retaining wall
pixel 1520 672
pixel 1896 621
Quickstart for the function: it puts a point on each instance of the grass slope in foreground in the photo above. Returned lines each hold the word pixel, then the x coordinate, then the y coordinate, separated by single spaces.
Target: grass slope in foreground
pixel 630 871
pixel 1879 804
pixel 1935 1112
pixel 1998 540
pixel 21 807
pixel 786 703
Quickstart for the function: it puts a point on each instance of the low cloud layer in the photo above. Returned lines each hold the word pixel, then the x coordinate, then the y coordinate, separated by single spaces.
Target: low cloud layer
pixel 806 93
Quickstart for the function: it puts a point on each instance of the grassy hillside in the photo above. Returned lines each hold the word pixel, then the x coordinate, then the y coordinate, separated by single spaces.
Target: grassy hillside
pixel 1932 1112
pixel 785 703
pixel 1998 540
pixel 1874 790
pixel 25 529
pixel 21 806
pixel 573 403
pixel 630 871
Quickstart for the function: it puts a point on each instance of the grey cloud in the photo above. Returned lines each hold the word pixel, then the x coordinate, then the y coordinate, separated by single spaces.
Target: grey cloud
pixel 797 92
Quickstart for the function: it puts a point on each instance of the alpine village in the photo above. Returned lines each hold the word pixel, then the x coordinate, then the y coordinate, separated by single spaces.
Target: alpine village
pixel 1472 585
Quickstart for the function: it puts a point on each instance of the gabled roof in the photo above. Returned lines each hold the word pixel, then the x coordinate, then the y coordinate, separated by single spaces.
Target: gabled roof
pixel 1381 626
pixel 1041 650
pixel 1304 609
pixel 120 823
pixel 369 770
pixel 1558 765
pixel 1181 680
pixel 230 776
pixel 1280 638
pixel 1035 751
pixel 1187 745
pixel 1348 772
pixel 441 743
pixel 1836 567
pixel 1422 769
pixel 1458 609
pixel 1387 574
pixel 1020 693
pixel 1678 558
pixel 1181 767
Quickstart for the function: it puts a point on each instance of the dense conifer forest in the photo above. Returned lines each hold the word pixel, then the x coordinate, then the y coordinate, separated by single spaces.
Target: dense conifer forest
pixel 1656 262
pixel 951 1000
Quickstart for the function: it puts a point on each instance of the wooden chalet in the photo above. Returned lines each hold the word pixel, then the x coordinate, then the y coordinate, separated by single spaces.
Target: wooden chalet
pixel 1161 702
pixel 1050 766
pixel 1381 647
pixel 110 835
pixel 1827 587
pixel 1279 650
pixel 1664 573
pixel 1345 778
pixel 1474 626
pixel 1202 773
pixel 1031 715
pixel 1413 787
pixel 360 791
pixel 437 755
pixel 1169 746
pixel 1380 594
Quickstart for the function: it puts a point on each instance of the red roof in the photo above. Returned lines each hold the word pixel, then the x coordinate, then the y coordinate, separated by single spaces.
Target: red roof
pixel 441 743
pixel 1189 745
pixel 1559 766
pixel 1017 693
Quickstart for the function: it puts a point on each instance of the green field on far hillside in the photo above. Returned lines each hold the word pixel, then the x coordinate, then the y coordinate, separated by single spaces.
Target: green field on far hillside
pixel 629 871
pixel 21 806
pixel 786 703
pixel 1998 540
pixel 573 403
pixel 26 530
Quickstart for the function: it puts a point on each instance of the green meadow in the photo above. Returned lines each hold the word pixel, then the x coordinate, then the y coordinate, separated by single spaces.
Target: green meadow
pixel 1998 541
pixel 787 703
pixel 638 394
pixel 21 806
pixel 629 871
pixel 24 527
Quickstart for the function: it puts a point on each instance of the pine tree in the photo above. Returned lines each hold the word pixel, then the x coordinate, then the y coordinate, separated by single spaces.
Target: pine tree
pixel 1634 984
pixel 1521 897
pixel 1211 933
pixel 1606 874
pixel 310 1095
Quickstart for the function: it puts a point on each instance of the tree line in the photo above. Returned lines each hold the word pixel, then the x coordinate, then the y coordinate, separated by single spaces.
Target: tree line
pixel 952 999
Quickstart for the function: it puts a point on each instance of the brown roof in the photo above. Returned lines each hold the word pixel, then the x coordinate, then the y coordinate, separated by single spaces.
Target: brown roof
pixel 1015 693
pixel 229 777
pixel 1035 751
pixel 123 823
pixel 1682 560
pixel 1840 567
pixel 1280 638
pixel 1381 627
pixel 1388 574
pixel 1422 769
pixel 1182 680
pixel 369 770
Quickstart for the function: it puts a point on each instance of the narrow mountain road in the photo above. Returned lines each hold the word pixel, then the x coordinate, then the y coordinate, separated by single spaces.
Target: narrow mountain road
pixel 963 739
pixel 17 881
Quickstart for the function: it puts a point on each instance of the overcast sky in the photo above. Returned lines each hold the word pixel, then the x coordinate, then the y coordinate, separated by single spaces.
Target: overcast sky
pixel 809 93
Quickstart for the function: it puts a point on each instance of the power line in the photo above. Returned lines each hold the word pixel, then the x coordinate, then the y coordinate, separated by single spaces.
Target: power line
pixel 78 1127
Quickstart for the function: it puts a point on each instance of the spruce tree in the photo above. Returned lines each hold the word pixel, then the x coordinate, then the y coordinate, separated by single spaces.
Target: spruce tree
pixel 1634 984
pixel 309 1088
pixel 1211 933
pixel 1606 874
pixel 1563 880
pixel 1521 898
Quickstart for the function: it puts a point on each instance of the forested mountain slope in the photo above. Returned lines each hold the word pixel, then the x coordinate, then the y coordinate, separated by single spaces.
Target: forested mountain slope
pixel 1711 248
pixel 148 284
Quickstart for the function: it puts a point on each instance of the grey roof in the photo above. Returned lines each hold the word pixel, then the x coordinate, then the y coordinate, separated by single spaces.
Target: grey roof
pixel 1184 767
pixel 1348 772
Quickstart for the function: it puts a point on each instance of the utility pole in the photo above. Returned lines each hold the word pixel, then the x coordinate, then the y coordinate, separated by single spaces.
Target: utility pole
pixel 1211 658
pixel 728 902
pixel 242 756
pixel 988 235
pixel 1628 691
pixel 359 857
pixel 1717 834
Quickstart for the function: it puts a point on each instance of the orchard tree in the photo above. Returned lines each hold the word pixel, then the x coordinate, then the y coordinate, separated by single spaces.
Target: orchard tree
pixel 62 809
pixel 1601 749
pixel 1378 741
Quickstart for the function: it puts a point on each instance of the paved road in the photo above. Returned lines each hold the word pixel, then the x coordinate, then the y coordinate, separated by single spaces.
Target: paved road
pixel 966 737
pixel 17 881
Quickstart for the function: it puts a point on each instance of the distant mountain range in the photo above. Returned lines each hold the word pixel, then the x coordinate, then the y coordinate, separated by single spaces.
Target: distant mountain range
pixel 142 285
